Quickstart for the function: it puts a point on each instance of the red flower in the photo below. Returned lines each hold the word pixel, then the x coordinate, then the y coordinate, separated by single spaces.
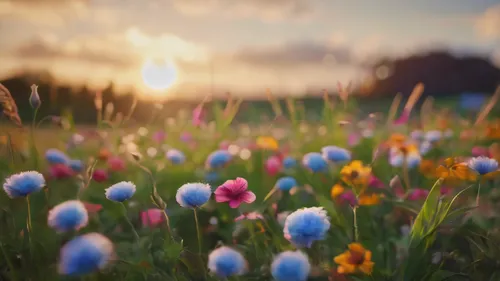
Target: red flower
pixel 60 171
pixel 100 175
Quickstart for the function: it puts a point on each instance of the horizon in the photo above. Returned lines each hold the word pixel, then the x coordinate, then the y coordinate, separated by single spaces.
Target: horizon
pixel 242 47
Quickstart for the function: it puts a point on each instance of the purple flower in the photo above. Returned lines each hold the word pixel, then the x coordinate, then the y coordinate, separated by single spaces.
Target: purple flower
pixel 235 192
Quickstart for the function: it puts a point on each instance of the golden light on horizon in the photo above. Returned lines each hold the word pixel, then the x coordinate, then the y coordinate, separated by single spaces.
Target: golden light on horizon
pixel 159 74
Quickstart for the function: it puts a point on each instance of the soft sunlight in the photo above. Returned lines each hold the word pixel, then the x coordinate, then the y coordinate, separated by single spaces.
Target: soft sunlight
pixel 159 74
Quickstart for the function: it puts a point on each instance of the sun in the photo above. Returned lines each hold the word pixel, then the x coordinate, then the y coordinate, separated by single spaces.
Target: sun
pixel 159 74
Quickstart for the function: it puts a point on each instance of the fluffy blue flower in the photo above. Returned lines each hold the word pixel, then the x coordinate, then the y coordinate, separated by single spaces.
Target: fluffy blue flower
pixel 315 162
pixel 291 266
pixel 289 162
pixel 176 156
pixel 225 262
pixel 76 165
pixel 55 156
pixel 85 254
pixel 121 191
pixel 193 195
pixel 335 154
pixel 218 159
pixel 306 225
pixel 69 215
pixel 483 165
pixel 286 183
pixel 23 184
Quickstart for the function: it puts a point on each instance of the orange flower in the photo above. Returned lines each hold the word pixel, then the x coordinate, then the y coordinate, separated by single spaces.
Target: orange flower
pixel 454 170
pixel 396 139
pixel 355 259
pixel 356 174
pixel 267 143
pixel 493 130
pixel 336 191
pixel 104 154
pixel 428 168
pixel 369 200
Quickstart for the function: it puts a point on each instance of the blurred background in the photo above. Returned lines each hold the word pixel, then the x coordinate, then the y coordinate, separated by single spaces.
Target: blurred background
pixel 176 52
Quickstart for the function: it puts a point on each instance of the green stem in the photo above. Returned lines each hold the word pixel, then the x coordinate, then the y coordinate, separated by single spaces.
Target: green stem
pixel 29 214
pixel 129 222
pixel 198 234
pixel 355 224
pixel 9 263
pixel 478 192
pixel 406 175
pixel 167 221
pixel 32 135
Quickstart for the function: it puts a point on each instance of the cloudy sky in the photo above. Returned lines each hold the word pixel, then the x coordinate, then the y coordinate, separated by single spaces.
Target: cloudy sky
pixel 241 45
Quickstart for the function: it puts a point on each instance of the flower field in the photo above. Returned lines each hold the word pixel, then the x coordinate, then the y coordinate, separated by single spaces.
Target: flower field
pixel 407 194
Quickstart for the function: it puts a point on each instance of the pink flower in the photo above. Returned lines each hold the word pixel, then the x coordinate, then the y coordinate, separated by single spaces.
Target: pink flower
pixel 60 171
pixel 250 216
pixel 159 136
pixel 403 119
pixel 273 165
pixel 418 194
pixel 353 139
pixel 235 192
pixel 445 190
pixel 198 115
pixel 224 145
pixel 348 197
pixel 92 208
pixel 480 151
pixel 152 217
pixel 375 182
pixel 100 175
pixel 116 164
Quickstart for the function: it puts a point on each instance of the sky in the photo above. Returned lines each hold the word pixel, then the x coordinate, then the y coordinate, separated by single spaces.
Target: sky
pixel 242 46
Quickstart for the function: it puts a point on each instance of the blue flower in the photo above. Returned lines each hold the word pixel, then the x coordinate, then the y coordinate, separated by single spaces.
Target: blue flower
pixel 289 162
pixel 433 136
pixel 315 162
pixel 218 159
pixel 225 262
pixel 483 165
pixel 23 184
pixel 291 266
pixel 335 154
pixel 69 215
pixel 76 165
pixel 306 225
pixel 193 195
pixel 55 156
pixel 121 191
pixel 286 183
pixel 176 156
pixel 85 254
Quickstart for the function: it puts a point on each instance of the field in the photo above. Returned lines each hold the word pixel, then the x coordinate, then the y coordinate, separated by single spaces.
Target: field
pixel 358 194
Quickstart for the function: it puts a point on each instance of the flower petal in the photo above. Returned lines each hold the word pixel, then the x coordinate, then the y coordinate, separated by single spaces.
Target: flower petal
pixel 248 197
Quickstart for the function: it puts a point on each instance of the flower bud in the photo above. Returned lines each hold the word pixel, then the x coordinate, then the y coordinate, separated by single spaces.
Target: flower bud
pixel 34 100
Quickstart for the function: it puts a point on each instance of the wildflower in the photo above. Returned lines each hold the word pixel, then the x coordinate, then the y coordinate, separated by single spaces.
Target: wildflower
pixel 425 147
pixel 175 156
pixel 186 137
pixel 100 175
pixel 60 171
pixel 198 115
pixel 291 266
pixel 250 216
pixel 34 100
pixel 104 154
pixel 23 184
pixel 85 254
pixel 272 165
pixel 356 258
pixel 418 194
pixel 428 168
pixel 396 140
pixel 218 159
pixel 369 200
pixel 417 135
pixel 315 162
pixel 286 183
pixel 235 192
pixel 121 191
pixel 375 182
pixel 484 166
pixel 193 195
pixel 159 136
pixel 116 164
pixel 356 174
pixel 152 217
pixel 493 130
pixel 433 136
pixel 92 208
pixel 268 143
pixel 353 139
pixel 306 225
pixel 289 162
pixel 335 154
pixel 453 170
pixel 405 153
pixel 480 151
pixel 336 191
pixel 226 262
pixel 55 156
pixel 76 165
pixel 349 198
pixel 67 216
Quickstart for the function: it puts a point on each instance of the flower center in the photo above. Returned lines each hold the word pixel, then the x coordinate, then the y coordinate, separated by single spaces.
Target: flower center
pixel 356 258
pixel 404 150
pixel 354 174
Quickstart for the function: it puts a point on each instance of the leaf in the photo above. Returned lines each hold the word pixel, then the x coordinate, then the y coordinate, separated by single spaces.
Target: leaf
pixel 425 216
pixel 173 249
pixel 444 275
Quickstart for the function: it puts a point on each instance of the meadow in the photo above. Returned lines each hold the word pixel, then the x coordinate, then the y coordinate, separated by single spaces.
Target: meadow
pixel 403 195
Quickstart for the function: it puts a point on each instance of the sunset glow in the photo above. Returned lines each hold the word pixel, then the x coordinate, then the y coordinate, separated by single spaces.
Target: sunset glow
pixel 159 74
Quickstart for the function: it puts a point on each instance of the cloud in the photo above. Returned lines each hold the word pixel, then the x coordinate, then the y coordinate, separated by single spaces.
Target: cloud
pixel 488 24
pixel 267 10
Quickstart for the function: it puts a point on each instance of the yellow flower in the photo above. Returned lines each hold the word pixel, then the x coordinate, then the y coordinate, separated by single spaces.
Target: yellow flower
pixel 452 170
pixel 336 191
pixel 356 174
pixel 369 200
pixel 267 143
pixel 355 259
